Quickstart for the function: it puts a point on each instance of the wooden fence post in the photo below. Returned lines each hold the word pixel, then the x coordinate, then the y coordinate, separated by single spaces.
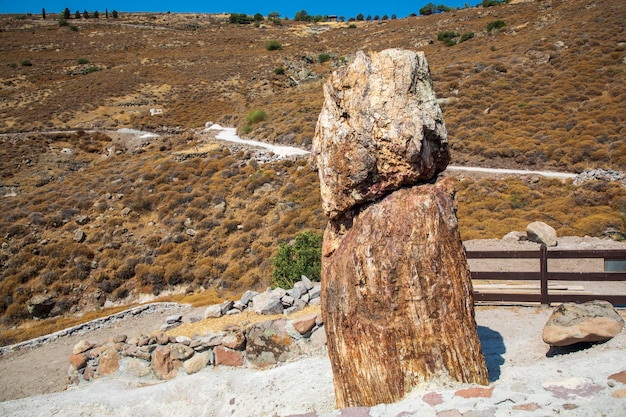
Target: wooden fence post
pixel 543 260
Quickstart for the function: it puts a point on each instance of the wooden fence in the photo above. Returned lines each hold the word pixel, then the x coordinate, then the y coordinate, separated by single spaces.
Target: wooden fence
pixel 544 275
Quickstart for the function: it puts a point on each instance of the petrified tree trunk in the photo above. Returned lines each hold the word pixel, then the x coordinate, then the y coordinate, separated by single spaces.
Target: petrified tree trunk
pixel 397 302
pixel 396 290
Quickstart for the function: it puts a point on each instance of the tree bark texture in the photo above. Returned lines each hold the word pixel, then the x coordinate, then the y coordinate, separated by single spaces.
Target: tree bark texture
pixel 397 298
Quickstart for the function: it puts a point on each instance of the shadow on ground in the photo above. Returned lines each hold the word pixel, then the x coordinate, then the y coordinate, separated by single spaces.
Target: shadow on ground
pixel 493 349
pixel 576 347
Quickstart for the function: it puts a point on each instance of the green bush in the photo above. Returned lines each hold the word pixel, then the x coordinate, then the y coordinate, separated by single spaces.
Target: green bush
pixel 279 71
pixel 273 45
pixel 302 257
pixel 83 61
pixel 240 18
pixel 92 69
pixel 74 28
pixel 26 63
pixel 255 116
pixel 495 25
pixel 63 21
pixel 323 58
pixel 466 36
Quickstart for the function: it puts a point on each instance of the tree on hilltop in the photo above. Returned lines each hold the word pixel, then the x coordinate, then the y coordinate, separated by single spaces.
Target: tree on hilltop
pixel 66 13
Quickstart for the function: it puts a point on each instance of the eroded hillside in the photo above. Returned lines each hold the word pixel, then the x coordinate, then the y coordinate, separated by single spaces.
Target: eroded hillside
pixel 90 217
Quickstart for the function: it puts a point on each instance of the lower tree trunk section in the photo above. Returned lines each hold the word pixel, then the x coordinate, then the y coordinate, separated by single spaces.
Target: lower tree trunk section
pixel 397 298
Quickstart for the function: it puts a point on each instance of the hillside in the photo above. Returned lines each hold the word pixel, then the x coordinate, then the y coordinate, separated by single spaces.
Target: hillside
pixel 93 216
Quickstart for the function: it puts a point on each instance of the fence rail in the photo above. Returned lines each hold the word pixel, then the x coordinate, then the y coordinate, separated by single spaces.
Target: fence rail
pixel 544 275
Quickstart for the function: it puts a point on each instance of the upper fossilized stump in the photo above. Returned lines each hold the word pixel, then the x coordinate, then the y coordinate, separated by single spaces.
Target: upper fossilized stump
pixel 380 129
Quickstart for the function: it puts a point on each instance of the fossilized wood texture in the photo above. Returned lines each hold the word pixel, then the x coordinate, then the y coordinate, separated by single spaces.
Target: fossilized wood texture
pixel 397 299
pixel 380 129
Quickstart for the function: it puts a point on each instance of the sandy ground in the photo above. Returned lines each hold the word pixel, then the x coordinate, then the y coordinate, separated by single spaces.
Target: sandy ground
pixel 521 366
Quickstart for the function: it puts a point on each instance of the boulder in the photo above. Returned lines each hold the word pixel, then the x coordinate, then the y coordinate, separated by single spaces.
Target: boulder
pixel 247 296
pixel 196 363
pixel 181 352
pixel 108 361
pixel 268 343
pixel 82 346
pixel 380 129
pixel 235 340
pixel 136 367
pixel 304 324
pixel 318 338
pixel 40 305
pixel 174 318
pixel 540 232
pixel 78 360
pixel 268 302
pixel 164 365
pixel 213 311
pixel 228 357
pixel 593 321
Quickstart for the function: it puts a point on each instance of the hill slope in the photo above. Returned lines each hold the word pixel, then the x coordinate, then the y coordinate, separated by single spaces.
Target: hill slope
pixel 96 217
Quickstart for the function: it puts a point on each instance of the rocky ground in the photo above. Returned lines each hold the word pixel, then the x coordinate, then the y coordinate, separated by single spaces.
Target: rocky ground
pixel 527 378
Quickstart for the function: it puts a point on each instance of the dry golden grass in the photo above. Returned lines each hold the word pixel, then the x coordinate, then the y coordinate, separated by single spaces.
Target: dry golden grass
pixel 242 320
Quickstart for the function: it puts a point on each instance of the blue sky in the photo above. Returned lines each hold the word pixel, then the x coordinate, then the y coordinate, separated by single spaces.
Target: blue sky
pixel 401 8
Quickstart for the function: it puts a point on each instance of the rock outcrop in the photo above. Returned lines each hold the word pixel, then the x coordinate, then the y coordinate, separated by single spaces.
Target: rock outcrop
pixel 570 323
pixel 396 291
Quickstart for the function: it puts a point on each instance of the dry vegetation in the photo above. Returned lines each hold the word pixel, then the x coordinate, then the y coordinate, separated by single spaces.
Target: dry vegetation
pixel 545 91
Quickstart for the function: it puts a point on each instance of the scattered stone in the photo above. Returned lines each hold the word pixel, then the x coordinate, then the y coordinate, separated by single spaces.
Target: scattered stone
pixel 572 388
pixel 175 318
pixel 540 232
pixel 619 377
pixel 213 311
pixel 137 367
pixel 78 360
pixel 82 220
pixel 79 236
pixel 432 398
pixel 475 392
pixel 600 175
pixel 247 296
pixel 619 393
pixel 235 340
pixel 181 352
pixel 318 338
pixel 527 407
pixel 306 282
pixel 268 343
pixel 304 324
pixel 120 338
pixel 109 361
pixel 82 346
pixel 268 303
pixel 185 340
pixel 197 362
pixel 569 406
pixel 593 321
pixel 163 364
pixel 40 305
pixel 355 412
pixel 162 339
pixel 515 237
pixel 226 306
pixel 228 357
